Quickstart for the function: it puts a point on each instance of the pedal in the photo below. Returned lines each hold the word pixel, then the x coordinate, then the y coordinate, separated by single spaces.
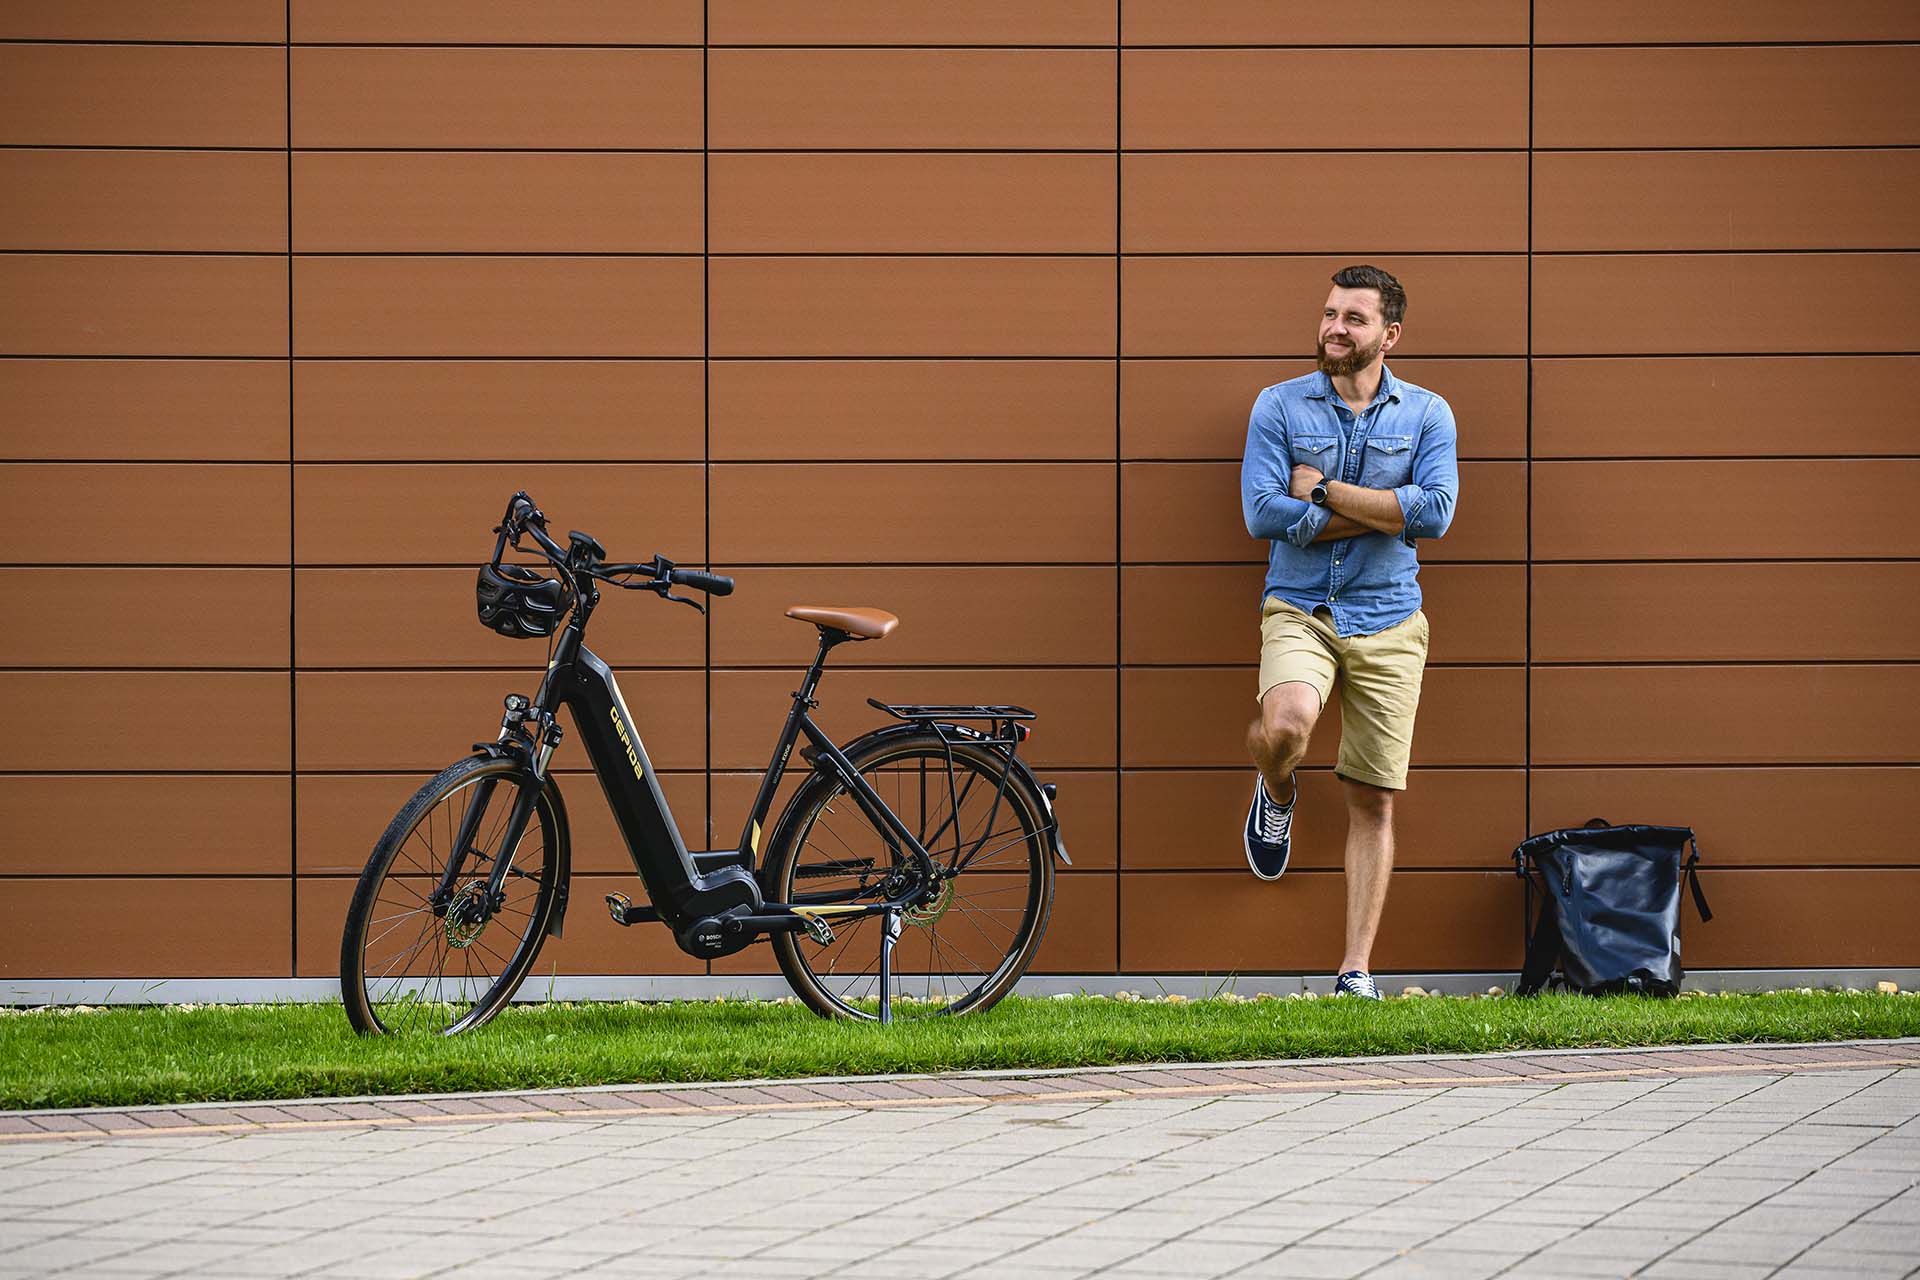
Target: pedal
pixel 818 929
pixel 621 908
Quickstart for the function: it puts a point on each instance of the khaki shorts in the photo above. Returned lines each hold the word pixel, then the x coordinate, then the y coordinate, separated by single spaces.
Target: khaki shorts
pixel 1379 683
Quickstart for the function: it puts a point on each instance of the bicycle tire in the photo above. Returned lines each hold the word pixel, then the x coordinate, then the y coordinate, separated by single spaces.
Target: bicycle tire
pixel 398 980
pixel 818 850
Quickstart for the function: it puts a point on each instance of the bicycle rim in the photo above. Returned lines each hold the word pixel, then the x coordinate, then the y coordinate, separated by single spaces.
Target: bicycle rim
pixel 408 969
pixel 963 948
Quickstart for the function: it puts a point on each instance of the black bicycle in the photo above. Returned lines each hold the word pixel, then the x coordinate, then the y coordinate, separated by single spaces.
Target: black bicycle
pixel 914 862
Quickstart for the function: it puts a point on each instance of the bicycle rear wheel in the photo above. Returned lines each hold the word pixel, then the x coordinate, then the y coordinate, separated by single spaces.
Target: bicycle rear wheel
pixel 965 946
pixel 408 965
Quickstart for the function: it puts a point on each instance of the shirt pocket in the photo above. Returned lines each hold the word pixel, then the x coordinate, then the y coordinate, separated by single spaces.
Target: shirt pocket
pixel 1322 453
pixel 1388 463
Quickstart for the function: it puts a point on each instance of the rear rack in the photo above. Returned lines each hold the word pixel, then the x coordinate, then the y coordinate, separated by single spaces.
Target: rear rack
pixel 1003 728
pixel 950 711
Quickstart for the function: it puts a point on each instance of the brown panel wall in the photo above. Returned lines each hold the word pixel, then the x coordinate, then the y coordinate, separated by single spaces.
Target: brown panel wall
pixel 932 22
pixel 1730 97
pixel 911 306
pixel 1258 22
pixel 909 98
pixel 1759 303
pixel 224 20
pixel 960 316
pixel 145 825
pixel 1718 200
pixel 1726 715
pixel 179 410
pixel 507 202
pixel 378 514
pixel 137 928
pixel 1274 98
pixel 1719 22
pixel 460 306
pixel 121 721
pixel 496 22
pixel 122 305
pixel 912 203
pixel 1656 612
pixel 428 410
pixel 1763 406
pixel 1669 508
pixel 910 409
pixel 949 615
pixel 522 98
pixel 912 513
pixel 1253 202
pixel 198 201
pixel 212 617
pixel 134 513
pixel 129 95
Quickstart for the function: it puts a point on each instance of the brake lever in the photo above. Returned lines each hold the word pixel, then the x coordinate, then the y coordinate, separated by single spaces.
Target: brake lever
pixel 691 604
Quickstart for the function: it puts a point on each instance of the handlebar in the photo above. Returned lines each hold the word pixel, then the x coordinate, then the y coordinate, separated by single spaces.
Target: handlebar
pixel 585 557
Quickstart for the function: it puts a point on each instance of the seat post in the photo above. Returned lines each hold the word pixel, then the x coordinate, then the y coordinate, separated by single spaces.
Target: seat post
pixel 828 638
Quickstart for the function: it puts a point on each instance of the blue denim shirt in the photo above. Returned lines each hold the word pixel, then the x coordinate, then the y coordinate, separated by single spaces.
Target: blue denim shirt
pixel 1403 441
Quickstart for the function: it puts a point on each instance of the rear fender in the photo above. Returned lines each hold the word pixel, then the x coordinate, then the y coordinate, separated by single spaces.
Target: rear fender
pixel 1022 774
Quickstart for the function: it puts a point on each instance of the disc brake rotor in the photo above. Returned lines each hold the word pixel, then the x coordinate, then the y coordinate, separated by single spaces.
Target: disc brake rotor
pixel 933 907
pixel 466 914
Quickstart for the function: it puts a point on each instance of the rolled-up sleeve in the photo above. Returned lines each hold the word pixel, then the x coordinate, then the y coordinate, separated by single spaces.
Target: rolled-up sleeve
pixel 1427 501
pixel 1266 475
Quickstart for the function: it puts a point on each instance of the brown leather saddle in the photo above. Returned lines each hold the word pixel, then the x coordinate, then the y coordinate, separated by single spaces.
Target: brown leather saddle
pixel 861 624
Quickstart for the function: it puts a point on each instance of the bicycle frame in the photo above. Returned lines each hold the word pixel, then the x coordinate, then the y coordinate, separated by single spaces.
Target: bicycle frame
pixel 712 900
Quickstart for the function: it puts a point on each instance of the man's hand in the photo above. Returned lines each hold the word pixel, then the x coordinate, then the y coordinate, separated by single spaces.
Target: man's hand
pixel 1304 478
pixel 1376 509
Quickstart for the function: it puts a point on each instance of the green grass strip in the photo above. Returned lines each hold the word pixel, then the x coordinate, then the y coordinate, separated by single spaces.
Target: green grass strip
pixel 127 1056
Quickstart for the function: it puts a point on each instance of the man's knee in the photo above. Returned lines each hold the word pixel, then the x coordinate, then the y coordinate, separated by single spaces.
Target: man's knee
pixel 1281 731
pixel 1368 803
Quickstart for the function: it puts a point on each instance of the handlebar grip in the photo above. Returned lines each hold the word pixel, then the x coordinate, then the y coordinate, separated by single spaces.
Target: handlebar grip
pixel 713 584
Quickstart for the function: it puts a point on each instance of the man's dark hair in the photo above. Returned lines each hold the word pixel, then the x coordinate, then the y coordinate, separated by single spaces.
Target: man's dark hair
pixel 1393 299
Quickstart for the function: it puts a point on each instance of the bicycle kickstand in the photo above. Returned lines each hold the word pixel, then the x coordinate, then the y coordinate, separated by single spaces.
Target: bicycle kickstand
pixel 889 934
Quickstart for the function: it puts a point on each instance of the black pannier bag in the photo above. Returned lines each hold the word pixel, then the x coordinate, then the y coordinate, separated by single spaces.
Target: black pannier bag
pixel 1610 907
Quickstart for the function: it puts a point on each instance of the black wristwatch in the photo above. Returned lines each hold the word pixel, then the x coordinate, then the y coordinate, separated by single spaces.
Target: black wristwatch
pixel 1319 491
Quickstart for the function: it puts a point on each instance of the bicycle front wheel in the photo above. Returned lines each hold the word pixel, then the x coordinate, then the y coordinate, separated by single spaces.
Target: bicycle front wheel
pixel 410 965
pixel 968 942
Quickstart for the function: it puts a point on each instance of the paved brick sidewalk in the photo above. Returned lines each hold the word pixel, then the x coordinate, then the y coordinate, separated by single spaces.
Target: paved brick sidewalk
pixel 1719 1162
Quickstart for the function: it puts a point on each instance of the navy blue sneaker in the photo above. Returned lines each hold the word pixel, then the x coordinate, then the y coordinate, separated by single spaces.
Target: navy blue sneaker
pixel 1269 834
pixel 1356 982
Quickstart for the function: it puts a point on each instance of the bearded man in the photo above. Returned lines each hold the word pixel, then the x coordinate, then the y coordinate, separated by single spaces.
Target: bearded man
pixel 1346 470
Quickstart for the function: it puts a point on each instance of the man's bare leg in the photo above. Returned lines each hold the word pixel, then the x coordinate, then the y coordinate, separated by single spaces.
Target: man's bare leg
pixel 1278 739
pixel 1369 863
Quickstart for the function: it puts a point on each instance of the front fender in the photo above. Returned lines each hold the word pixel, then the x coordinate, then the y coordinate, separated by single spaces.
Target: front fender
pixel 563 834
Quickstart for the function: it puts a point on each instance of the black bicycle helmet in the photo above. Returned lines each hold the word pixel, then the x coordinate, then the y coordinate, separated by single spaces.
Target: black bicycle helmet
pixel 517 602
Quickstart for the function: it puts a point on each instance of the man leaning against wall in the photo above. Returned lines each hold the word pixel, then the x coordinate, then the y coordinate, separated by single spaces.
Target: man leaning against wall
pixel 1346 470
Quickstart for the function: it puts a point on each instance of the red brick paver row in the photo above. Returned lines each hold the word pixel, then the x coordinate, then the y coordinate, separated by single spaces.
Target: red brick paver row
pixel 1092 1085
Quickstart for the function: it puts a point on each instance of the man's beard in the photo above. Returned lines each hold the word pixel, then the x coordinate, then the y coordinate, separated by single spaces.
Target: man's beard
pixel 1349 364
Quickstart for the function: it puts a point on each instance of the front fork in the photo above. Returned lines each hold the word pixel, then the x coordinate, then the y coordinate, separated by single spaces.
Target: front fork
pixel 524 732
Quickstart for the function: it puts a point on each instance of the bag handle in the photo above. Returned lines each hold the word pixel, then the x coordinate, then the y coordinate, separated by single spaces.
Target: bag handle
pixel 1543 950
pixel 1693 879
pixel 1598 822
